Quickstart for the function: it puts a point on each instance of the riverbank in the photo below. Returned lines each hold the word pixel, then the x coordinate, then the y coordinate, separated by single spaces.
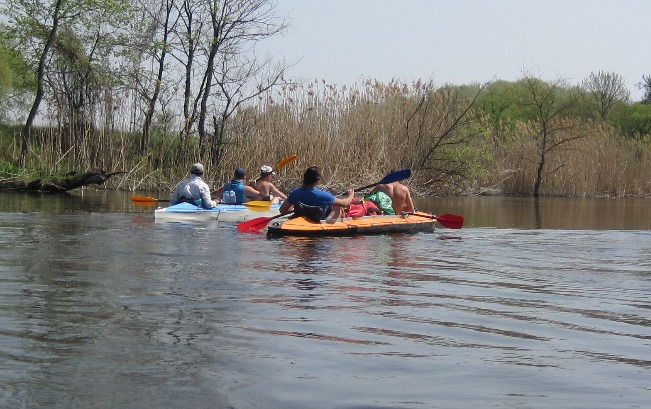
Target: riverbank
pixel 447 136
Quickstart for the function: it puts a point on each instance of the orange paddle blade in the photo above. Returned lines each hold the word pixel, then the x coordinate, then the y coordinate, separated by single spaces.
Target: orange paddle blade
pixel 284 162
pixel 144 200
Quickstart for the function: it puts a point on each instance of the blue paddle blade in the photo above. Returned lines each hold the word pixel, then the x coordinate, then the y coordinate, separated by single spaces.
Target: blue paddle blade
pixel 395 176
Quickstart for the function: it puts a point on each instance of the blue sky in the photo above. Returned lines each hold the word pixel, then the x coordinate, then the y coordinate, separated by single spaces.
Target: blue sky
pixel 462 41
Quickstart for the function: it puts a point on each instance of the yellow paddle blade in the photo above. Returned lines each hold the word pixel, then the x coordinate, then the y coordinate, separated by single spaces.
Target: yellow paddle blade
pixel 284 162
pixel 258 205
pixel 144 200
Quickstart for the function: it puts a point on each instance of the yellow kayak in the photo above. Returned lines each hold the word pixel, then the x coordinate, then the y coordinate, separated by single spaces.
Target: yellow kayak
pixel 380 224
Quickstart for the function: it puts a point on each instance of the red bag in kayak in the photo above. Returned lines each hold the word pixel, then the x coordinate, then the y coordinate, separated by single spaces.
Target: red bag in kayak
pixel 361 207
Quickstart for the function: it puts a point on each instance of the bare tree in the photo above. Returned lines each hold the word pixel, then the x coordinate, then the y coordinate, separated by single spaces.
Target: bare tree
pixel 442 123
pixel 232 67
pixel 164 19
pixel 646 86
pixel 549 102
pixel 189 36
pixel 605 90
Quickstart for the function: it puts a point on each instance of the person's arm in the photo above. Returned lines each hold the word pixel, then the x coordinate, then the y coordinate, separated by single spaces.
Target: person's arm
pixel 344 201
pixel 206 200
pixel 274 190
pixel 408 203
pixel 218 193
pixel 251 192
pixel 286 207
pixel 174 198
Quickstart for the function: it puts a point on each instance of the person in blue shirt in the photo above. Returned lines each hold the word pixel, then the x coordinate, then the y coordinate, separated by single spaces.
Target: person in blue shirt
pixel 241 191
pixel 193 190
pixel 310 195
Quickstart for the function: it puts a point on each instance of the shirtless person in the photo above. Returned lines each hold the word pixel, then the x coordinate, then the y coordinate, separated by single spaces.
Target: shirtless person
pixel 400 196
pixel 268 191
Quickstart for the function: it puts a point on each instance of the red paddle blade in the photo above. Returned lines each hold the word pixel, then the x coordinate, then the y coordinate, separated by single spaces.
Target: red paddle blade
pixel 254 225
pixel 451 221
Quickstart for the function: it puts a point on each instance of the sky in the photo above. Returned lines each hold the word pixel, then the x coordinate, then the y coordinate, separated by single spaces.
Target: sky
pixel 345 42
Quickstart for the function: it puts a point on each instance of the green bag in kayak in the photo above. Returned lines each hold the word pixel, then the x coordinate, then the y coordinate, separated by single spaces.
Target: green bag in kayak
pixel 383 201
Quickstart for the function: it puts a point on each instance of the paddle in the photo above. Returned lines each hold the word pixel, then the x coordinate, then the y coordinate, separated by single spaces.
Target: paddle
pixel 146 200
pixel 450 221
pixel 255 205
pixel 284 162
pixel 259 223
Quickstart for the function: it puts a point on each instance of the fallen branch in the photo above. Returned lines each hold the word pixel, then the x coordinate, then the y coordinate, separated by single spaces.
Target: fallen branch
pixel 69 182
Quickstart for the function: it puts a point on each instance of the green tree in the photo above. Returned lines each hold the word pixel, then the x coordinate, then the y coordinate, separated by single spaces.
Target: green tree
pixel 60 31
pixel 6 78
pixel 635 120
pixel 15 81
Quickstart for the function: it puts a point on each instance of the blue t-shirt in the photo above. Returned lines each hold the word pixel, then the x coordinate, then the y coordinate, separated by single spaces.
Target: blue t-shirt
pixel 312 197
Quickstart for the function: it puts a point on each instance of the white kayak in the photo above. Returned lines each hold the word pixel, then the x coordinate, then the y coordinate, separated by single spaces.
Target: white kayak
pixel 222 212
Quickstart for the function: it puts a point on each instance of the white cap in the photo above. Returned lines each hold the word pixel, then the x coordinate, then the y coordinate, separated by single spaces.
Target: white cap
pixel 265 170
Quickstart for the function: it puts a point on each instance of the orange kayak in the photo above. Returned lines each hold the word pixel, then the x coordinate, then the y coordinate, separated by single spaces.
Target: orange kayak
pixel 382 224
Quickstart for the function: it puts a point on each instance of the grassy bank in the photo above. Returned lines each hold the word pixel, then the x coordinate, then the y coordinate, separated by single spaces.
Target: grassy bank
pixel 357 135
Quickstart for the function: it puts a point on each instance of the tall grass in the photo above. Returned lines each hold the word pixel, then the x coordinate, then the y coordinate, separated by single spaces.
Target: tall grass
pixel 357 135
pixel 602 164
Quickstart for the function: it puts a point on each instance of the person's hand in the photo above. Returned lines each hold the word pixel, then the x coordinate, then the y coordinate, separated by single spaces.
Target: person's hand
pixel 350 193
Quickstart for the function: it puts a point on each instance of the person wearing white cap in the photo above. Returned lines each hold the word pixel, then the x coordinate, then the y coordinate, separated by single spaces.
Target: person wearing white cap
pixel 268 191
pixel 193 190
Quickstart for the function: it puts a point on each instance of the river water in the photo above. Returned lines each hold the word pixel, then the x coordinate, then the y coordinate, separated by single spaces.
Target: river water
pixel 527 306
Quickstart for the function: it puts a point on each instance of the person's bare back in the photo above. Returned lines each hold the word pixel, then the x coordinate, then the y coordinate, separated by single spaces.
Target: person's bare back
pixel 268 191
pixel 400 196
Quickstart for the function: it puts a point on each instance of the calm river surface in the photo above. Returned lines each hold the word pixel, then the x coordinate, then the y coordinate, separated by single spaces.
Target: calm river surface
pixel 527 306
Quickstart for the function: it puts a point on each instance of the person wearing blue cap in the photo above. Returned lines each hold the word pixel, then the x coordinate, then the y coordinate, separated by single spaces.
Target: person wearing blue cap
pixel 236 191
pixel 193 190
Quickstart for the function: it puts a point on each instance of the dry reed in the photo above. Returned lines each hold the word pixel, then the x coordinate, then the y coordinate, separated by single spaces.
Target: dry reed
pixel 357 135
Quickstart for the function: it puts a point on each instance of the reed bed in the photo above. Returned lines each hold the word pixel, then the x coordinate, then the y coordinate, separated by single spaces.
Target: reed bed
pixel 357 135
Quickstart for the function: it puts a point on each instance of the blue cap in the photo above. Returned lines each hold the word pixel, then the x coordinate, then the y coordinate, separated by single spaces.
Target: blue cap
pixel 240 173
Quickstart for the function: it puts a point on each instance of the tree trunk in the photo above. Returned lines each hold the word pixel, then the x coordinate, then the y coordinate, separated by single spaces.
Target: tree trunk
pixel 27 129
pixel 69 182
pixel 146 129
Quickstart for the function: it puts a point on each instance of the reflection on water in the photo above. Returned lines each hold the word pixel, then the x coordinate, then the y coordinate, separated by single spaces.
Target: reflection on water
pixel 546 213
pixel 479 211
pixel 108 309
